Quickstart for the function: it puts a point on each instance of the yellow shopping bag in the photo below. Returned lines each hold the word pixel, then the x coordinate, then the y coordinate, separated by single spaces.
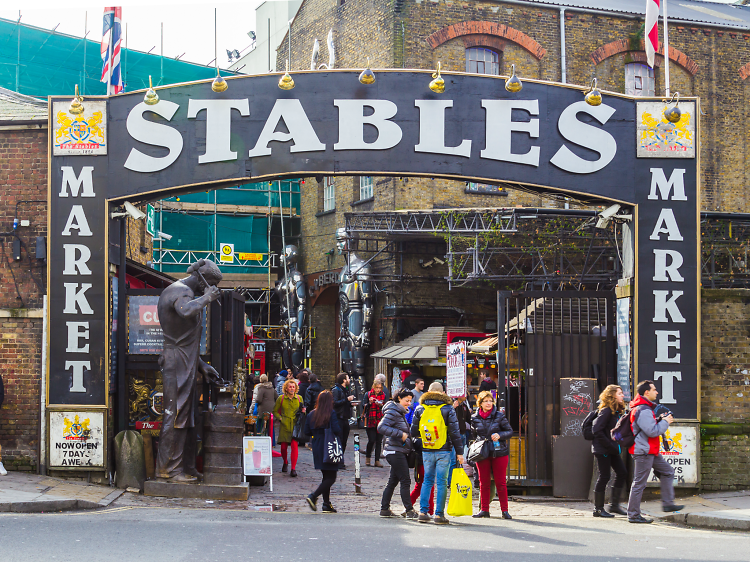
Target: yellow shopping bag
pixel 459 502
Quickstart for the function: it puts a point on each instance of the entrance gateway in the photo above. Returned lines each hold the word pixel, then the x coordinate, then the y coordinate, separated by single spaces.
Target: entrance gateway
pixel 545 137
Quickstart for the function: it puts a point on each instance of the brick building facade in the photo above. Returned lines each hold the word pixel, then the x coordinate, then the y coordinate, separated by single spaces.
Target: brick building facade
pixel 606 45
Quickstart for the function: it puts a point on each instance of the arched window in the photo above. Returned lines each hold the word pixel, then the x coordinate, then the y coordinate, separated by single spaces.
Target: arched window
pixel 639 79
pixel 482 61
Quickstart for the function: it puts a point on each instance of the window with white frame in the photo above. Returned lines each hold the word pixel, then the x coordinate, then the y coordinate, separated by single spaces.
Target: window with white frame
pixel 329 193
pixel 365 187
pixel 482 61
pixel 639 79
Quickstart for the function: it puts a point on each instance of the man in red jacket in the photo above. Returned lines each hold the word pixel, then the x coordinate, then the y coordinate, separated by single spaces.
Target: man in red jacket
pixel 648 430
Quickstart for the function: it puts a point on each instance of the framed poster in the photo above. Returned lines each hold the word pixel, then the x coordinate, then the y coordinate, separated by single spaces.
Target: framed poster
pixel 455 369
pixel 145 336
pixel 682 455
pixel 83 134
pixel 77 439
pixel 256 456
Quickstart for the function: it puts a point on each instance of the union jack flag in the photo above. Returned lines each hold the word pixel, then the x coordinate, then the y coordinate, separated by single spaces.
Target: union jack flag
pixel 652 30
pixel 113 25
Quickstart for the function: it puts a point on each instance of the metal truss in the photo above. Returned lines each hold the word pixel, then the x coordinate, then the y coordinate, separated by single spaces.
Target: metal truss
pixel 457 221
pixel 724 251
pixel 255 296
pixel 187 257
pixel 495 245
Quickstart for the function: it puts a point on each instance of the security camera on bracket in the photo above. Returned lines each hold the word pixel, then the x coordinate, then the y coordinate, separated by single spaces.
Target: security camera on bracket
pixel 611 213
pixel 130 211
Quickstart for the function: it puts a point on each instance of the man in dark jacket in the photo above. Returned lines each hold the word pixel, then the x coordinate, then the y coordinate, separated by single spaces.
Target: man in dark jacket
pixel 437 461
pixel 342 406
pixel 311 396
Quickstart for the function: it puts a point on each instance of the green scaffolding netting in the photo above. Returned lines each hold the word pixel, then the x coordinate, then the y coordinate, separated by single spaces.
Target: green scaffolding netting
pixel 47 63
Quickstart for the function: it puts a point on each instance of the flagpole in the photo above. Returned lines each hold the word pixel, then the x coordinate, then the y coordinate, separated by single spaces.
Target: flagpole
pixel 109 57
pixel 666 51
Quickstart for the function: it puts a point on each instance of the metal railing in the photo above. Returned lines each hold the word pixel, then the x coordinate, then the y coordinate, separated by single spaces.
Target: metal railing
pixel 166 256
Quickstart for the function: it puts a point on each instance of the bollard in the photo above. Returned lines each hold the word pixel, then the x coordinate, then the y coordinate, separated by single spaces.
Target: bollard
pixel 357 480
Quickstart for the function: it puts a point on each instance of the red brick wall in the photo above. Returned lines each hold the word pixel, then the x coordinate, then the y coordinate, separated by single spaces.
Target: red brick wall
pixel 23 178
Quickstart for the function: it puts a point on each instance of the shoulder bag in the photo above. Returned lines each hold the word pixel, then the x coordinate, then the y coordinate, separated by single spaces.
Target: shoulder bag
pixel 478 450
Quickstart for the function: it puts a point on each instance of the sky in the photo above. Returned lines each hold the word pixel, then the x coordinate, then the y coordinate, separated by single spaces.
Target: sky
pixel 188 24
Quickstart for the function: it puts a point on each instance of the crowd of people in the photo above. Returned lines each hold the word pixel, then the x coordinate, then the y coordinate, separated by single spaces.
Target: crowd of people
pixel 429 433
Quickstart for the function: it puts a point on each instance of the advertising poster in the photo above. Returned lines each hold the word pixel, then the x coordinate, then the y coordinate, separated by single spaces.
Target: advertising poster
pixel 623 346
pixel 145 336
pixel 256 456
pixel 455 369
pixel 682 455
pixel 76 439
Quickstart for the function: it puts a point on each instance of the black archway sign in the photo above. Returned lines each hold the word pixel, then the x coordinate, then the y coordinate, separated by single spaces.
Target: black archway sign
pixel 545 136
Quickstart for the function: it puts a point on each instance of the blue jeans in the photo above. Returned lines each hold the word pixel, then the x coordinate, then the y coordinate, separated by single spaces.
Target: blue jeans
pixel 436 467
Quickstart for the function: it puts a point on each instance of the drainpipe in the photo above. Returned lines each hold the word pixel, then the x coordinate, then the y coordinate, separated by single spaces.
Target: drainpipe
pixel 563 75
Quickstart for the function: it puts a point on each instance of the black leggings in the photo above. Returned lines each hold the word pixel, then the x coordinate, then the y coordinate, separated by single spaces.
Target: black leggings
pixel 329 478
pixel 399 473
pixel 605 462
pixel 374 441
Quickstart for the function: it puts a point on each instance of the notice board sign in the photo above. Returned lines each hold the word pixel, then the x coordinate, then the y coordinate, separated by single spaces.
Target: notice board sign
pixel 76 439
pixel 455 369
pixel 682 455
pixel 145 336
pixel 623 346
pixel 256 456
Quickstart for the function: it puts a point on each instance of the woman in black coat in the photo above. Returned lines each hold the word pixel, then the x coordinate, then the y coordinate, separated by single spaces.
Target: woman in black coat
pixel 607 452
pixel 398 445
pixel 320 419
pixel 490 423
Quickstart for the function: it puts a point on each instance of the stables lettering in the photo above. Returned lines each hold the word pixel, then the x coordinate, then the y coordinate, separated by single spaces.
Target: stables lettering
pixel 511 133
pixel 667 263
pixel 76 257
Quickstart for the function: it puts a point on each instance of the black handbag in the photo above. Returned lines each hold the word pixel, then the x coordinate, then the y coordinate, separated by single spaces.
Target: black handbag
pixel 298 433
pixel 479 450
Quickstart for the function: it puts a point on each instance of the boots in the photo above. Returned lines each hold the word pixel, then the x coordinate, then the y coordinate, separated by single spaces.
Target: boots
pixel 614 506
pixel 599 505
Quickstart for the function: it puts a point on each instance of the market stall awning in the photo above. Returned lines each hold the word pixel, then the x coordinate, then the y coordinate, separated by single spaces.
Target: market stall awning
pixel 402 352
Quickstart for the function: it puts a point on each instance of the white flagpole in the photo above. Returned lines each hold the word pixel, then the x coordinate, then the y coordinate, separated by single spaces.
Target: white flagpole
pixel 666 50
pixel 109 58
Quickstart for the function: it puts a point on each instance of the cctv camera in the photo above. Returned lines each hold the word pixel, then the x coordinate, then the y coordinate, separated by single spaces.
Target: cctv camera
pixel 164 235
pixel 609 212
pixel 133 212
pixel 441 262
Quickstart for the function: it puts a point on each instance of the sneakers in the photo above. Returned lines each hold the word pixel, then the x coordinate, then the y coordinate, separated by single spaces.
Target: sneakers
pixel 387 513
pixel 639 519
pixel 3 472
pixel 667 508
pixel 284 467
pixel 292 473
pixel 411 514
pixel 441 520
pixel 328 508
pixel 312 502
pixel 424 518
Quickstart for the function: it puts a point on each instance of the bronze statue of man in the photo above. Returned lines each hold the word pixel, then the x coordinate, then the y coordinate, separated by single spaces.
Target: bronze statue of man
pixel 180 307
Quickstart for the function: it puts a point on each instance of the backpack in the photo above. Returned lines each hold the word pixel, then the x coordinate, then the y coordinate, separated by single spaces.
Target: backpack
pixel 622 434
pixel 432 427
pixel 587 427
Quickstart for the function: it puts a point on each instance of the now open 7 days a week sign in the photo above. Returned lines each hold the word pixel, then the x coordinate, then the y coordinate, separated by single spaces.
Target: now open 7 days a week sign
pixel 544 136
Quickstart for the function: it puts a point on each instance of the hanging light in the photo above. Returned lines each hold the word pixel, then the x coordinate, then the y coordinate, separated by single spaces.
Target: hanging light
pixel 513 84
pixel 219 84
pixel 76 106
pixel 367 76
pixel 593 95
pixel 286 82
pixel 151 97
pixel 438 84
pixel 673 114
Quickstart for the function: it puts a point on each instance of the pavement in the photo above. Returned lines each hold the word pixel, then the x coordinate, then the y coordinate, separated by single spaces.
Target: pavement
pixel 24 492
